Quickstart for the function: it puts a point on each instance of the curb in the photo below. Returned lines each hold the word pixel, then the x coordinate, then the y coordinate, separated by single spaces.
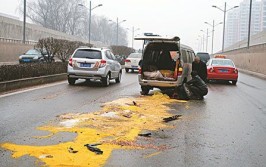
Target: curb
pixel 259 75
pixel 27 82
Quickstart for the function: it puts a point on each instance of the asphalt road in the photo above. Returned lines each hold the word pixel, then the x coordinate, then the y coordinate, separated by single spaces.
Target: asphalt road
pixel 227 128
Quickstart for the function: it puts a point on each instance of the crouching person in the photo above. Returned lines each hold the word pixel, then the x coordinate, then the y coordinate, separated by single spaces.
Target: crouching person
pixel 197 87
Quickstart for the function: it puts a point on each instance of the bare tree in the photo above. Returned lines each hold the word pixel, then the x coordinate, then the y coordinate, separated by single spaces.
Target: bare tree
pixel 70 18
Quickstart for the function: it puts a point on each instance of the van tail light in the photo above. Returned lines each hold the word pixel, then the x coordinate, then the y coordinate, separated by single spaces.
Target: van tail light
pixel 211 70
pixel 127 61
pixel 102 63
pixel 70 62
pixel 235 71
pixel 140 70
pixel 180 71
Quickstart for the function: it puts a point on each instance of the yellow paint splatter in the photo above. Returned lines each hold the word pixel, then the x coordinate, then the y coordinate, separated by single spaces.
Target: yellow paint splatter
pixel 116 126
pixel 153 154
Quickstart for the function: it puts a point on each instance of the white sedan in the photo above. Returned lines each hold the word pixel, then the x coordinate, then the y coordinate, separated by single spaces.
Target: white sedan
pixel 132 62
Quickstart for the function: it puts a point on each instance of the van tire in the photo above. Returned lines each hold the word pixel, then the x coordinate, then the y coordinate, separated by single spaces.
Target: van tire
pixel 144 90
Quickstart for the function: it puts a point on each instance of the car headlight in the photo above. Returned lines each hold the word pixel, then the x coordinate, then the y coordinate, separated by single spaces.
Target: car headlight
pixel 20 57
pixel 35 58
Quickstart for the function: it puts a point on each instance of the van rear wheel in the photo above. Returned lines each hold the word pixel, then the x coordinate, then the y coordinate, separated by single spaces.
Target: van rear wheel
pixel 144 90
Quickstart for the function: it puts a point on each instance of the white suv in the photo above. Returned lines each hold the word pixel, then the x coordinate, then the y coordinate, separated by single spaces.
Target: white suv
pixel 94 63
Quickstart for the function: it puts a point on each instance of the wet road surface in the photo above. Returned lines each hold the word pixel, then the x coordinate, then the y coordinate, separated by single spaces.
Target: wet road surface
pixel 228 128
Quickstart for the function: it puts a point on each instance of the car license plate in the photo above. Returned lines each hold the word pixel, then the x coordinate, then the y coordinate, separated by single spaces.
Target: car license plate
pixel 223 71
pixel 134 67
pixel 85 65
pixel 26 60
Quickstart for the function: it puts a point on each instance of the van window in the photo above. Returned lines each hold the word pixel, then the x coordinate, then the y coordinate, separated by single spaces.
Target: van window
pixel 190 59
pixel 184 56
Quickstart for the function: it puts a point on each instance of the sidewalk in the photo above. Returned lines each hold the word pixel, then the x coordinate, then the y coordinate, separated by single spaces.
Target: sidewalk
pixel 259 75
pixel 9 63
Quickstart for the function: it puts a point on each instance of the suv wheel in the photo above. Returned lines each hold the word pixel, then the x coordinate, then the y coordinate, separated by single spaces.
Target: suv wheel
pixel 106 80
pixel 71 81
pixel 118 80
pixel 144 90
pixel 127 70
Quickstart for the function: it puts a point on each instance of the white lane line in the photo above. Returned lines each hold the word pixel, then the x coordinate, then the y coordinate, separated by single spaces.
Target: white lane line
pixel 32 89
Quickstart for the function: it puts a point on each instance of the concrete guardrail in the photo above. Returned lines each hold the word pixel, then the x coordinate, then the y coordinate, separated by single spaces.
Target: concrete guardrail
pixel 27 82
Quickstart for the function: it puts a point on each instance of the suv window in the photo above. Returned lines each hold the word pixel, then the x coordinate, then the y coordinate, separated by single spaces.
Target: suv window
pixel 108 55
pixel 88 54
pixel 113 56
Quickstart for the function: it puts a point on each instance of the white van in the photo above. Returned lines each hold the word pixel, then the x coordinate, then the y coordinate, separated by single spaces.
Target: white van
pixel 165 63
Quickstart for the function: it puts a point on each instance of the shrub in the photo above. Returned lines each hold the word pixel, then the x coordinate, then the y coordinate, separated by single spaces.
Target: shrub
pixel 20 71
pixel 58 47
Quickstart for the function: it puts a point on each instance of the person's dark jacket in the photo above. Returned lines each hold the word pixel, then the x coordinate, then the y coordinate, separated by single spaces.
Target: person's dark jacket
pixel 201 68
pixel 196 81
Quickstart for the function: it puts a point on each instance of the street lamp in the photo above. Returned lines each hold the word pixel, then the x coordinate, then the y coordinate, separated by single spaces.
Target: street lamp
pixel 198 43
pixel 90 9
pixel 117 26
pixel 133 31
pixel 249 23
pixel 201 42
pixel 24 24
pixel 207 36
pixel 213 25
pixel 224 11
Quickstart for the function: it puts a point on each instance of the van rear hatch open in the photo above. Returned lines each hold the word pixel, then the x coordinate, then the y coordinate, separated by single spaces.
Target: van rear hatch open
pixel 159 61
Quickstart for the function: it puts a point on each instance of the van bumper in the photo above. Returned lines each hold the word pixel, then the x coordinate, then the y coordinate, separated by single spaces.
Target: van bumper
pixel 158 84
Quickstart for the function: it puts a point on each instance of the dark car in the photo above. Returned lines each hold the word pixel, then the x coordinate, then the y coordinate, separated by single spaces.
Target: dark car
pixel 33 56
pixel 205 57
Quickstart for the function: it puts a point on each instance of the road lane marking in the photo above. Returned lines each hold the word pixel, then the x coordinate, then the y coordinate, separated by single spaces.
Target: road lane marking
pixel 106 132
pixel 32 89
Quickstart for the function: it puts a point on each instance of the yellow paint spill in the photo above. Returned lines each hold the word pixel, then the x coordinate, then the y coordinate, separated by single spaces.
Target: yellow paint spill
pixel 119 132
pixel 153 154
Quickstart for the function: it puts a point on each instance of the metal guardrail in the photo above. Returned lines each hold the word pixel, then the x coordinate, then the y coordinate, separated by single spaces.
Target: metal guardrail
pixel 11 40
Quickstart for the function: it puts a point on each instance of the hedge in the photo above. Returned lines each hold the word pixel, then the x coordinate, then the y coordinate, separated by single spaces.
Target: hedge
pixel 20 71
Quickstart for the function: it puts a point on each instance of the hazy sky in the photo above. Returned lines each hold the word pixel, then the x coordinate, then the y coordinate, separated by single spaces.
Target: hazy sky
pixel 184 18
